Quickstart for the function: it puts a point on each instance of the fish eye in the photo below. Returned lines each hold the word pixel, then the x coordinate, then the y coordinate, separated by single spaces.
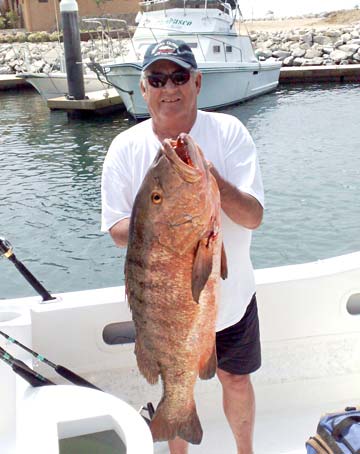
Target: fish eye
pixel 156 198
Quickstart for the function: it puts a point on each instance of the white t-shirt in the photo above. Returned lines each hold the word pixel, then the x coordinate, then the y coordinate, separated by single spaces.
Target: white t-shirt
pixel 228 145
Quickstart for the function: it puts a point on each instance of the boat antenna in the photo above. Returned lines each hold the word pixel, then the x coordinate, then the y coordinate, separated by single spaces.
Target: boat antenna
pixel 6 250
pixel 24 371
pixel 61 370
pixel 241 17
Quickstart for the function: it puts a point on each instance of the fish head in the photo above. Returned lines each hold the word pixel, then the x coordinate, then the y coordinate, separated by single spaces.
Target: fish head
pixel 175 201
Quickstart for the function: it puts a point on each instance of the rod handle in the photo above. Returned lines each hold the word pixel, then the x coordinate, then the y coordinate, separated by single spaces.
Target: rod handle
pixel 74 378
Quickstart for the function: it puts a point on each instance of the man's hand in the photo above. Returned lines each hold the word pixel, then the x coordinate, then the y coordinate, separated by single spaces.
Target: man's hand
pixel 241 207
pixel 120 232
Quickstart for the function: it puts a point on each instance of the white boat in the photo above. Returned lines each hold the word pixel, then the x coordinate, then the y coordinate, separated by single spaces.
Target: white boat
pixel 231 71
pixel 53 85
pixel 310 329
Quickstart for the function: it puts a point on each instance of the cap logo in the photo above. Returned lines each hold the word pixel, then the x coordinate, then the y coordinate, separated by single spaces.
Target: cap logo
pixel 164 48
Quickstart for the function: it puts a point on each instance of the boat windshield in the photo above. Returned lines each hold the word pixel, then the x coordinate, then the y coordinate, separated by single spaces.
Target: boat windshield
pixel 156 5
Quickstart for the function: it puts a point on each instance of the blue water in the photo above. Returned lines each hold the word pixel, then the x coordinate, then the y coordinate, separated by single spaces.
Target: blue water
pixel 308 140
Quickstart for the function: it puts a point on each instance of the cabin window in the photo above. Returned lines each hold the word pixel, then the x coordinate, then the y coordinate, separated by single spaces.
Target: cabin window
pixel 216 49
pixel 192 45
pixel 43 1
pixel 228 49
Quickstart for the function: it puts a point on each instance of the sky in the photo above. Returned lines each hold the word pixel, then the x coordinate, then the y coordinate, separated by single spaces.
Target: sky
pixel 282 8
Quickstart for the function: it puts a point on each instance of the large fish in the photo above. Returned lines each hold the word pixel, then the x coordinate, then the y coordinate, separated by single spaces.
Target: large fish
pixel 173 264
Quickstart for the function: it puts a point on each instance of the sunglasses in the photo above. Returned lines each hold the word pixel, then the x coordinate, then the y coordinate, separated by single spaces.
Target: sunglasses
pixel 159 80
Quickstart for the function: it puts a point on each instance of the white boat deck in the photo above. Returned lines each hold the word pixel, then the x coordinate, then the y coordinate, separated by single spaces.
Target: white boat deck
pixel 287 415
pixel 310 320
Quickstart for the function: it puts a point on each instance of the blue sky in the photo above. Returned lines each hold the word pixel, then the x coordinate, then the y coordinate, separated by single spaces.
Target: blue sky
pixel 281 8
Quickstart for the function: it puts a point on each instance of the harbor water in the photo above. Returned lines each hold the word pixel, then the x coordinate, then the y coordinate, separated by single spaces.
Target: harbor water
pixel 308 140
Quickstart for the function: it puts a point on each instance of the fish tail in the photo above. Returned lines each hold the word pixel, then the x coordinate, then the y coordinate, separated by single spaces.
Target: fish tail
pixel 208 366
pixel 188 427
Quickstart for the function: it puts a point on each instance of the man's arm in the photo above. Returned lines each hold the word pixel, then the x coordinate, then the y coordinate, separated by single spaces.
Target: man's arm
pixel 241 207
pixel 120 232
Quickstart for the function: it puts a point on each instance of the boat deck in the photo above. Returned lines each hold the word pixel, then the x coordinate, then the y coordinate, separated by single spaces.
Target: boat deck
pixel 287 415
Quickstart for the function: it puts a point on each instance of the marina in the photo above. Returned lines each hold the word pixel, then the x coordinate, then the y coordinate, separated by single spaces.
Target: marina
pixel 107 100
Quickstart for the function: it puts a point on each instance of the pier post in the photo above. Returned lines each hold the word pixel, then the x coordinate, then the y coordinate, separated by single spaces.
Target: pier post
pixel 73 60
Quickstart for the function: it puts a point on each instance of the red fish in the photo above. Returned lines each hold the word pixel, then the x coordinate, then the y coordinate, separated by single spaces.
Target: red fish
pixel 173 264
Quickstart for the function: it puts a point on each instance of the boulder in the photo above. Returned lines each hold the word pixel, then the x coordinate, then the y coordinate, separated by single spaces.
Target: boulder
pixel 281 55
pixel 332 33
pixel 338 55
pixel 321 39
pixel 327 50
pixel 338 43
pixel 349 48
pixel 346 37
pixel 264 53
pixel 10 55
pixel 298 52
pixel 312 53
pixel 298 61
pixel 288 61
pixel 307 38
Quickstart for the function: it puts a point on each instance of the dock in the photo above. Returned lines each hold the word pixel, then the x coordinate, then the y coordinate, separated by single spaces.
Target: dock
pixel 107 101
pixel 96 102
pixel 313 74
pixel 11 81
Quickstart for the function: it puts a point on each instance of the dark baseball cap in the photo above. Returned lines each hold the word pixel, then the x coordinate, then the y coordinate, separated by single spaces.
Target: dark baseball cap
pixel 170 49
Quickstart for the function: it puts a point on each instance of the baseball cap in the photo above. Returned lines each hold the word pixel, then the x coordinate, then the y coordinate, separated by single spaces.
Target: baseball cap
pixel 170 49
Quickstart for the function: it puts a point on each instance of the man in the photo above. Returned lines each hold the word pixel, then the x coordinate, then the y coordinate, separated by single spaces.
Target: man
pixel 170 84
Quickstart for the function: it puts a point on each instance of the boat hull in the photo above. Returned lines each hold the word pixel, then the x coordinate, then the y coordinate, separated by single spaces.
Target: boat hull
pixel 55 85
pixel 222 84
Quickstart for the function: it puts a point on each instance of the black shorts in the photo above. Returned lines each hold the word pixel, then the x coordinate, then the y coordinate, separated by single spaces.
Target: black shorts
pixel 238 346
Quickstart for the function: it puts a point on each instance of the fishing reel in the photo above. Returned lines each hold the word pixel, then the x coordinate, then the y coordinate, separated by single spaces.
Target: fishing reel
pixel 6 249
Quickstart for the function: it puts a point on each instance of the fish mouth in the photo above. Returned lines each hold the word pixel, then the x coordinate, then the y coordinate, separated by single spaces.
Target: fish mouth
pixel 186 157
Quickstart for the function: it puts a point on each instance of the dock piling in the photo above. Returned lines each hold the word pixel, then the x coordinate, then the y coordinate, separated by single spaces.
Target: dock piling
pixel 72 48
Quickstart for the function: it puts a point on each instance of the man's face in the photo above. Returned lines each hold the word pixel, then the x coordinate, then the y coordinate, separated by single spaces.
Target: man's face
pixel 172 102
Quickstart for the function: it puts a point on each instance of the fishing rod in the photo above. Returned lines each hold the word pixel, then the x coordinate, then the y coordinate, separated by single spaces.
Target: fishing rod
pixel 61 370
pixel 20 368
pixel 6 250
pixel 35 379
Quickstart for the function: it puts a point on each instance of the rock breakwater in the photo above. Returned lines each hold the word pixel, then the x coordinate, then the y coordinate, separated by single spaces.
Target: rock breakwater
pixel 298 47
pixel 48 56
pixel 310 47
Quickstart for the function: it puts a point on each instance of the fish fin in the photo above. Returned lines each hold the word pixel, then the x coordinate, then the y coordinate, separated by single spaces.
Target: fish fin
pixel 208 368
pixel 148 367
pixel 188 427
pixel 202 267
pixel 223 268
pixel 191 430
